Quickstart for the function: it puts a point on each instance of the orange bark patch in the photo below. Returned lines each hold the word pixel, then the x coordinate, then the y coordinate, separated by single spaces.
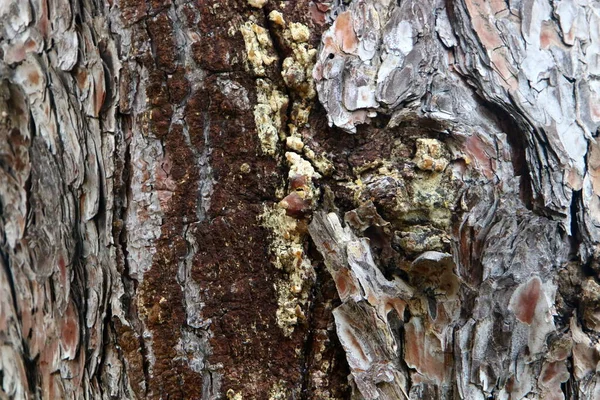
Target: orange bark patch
pixel 62 267
pixel 525 299
pixel 344 32
pixel 99 93
pixel 34 78
pixel 414 344
pixel 500 61
pixel 81 77
pixel 357 347
pixel 345 284
pixel 553 374
pixel 480 18
pixel 396 304
pixel 70 333
pixel 549 36
pixel 30 44
pixel 549 371
pixel 424 353
pixel 477 150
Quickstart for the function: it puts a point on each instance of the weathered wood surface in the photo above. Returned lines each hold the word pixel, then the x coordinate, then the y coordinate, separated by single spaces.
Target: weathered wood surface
pixel 178 220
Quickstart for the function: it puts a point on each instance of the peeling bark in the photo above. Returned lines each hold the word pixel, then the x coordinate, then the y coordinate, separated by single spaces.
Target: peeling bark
pixel 309 200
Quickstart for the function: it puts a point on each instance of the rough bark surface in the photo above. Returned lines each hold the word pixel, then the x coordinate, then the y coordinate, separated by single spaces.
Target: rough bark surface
pixel 253 199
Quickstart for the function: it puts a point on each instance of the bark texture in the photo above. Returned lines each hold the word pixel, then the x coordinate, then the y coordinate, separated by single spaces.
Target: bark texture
pixel 251 199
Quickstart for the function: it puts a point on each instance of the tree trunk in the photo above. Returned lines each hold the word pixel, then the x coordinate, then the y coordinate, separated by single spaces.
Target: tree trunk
pixel 252 199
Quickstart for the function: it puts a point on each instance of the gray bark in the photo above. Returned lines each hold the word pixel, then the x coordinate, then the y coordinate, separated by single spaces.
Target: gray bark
pixel 178 221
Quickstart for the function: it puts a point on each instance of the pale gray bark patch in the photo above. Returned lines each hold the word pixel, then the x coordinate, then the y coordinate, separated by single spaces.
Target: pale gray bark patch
pixel 534 66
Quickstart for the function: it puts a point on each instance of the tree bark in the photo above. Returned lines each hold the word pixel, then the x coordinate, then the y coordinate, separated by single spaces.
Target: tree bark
pixel 255 199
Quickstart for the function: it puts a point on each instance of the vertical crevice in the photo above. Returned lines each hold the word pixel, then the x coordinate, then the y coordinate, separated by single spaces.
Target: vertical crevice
pixel 575 236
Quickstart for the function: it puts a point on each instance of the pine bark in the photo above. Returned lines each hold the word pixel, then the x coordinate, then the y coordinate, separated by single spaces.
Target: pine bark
pixel 251 199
